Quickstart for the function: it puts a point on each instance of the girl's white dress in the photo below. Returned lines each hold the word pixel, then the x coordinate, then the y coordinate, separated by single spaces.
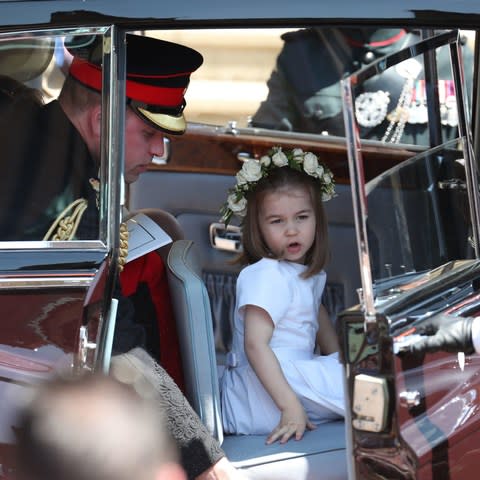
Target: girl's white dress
pixel 293 303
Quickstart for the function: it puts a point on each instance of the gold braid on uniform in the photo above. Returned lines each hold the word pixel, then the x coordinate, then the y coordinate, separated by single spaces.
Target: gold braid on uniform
pixel 123 248
pixel 65 225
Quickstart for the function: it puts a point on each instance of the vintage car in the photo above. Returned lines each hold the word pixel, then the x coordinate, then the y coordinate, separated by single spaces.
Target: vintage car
pixel 394 116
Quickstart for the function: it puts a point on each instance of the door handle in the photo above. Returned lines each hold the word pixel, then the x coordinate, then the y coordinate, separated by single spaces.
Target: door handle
pixel 84 347
pixel 228 238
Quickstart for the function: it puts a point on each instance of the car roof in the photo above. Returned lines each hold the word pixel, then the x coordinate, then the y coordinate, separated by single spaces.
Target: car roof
pixel 145 13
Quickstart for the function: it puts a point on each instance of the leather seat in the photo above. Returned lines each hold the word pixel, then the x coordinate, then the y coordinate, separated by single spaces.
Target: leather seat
pixel 191 306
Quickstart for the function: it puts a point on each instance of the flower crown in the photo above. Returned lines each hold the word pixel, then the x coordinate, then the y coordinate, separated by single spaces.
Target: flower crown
pixel 253 171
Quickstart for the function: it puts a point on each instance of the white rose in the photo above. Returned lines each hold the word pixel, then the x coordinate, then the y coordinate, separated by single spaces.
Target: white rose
pixel 280 159
pixel 241 180
pixel 265 160
pixel 319 171
pixel 242 213
pixel 310 163
pixel 235 206
pixel 327 179
pixel 252 170
pixel 297 152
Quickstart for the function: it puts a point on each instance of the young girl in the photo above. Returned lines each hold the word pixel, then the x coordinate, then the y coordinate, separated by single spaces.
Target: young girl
pixel 274 382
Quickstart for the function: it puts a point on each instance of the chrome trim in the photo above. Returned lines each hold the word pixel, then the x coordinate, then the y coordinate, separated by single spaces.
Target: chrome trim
pixel 54 32
pixel 42 282
pixel 84 346
pixel 112 154
pixel 104 355
pixel 113 123
pixel 359 199
pixel 51 245
pixel 199 128
pixel 409 398
pixel 471 171
pixel 231 128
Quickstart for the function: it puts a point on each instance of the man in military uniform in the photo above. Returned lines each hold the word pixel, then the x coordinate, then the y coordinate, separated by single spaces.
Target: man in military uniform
pixel 304 89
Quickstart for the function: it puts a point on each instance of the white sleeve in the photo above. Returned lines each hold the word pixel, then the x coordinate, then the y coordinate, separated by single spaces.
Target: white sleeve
pixel 264 287
pixel 476 334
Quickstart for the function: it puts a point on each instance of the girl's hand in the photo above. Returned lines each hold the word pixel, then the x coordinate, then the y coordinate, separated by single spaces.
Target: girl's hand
pixel 293 421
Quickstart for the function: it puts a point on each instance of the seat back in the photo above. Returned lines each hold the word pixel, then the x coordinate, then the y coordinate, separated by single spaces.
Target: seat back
pixel 167 222
pixel 191 306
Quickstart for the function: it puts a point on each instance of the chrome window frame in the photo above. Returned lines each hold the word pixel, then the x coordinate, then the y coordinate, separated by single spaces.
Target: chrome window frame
pixel 355 161
pixel 112 144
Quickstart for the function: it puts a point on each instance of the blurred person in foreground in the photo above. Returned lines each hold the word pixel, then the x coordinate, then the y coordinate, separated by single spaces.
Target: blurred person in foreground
pixel 95 427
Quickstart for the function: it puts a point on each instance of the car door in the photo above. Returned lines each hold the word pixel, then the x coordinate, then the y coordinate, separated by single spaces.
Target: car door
pixel 55 308
pixel 412 416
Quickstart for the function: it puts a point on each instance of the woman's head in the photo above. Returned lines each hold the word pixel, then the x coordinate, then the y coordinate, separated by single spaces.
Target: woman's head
pixel 286 219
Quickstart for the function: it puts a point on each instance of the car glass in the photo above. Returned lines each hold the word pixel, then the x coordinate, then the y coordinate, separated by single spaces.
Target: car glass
pixel 48 175
pixel 417 214
pixel 419 217
pixel 288 80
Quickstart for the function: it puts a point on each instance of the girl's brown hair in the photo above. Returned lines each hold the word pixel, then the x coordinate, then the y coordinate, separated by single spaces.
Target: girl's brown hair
pixel 254 246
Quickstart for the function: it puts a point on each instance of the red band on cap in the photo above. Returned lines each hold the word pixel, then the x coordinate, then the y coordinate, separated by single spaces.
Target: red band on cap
pixel 379 43
pixel 91 75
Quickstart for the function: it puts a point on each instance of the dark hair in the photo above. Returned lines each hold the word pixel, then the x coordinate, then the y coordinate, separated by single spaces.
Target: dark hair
pixel 254 246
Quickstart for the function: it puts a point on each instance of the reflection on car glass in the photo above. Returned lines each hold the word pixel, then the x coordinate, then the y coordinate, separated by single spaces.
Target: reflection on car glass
pixel 414 223
pixel 304 90
pixel 51 164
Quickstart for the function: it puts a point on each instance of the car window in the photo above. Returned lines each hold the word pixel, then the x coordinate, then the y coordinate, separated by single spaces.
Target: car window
pixel 48 174
pixel 232 81
pixel 288 80
pixel 417 216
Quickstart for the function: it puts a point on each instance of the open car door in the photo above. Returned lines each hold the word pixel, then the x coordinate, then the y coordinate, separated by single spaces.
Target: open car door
pixel 417 232
pixel 56 309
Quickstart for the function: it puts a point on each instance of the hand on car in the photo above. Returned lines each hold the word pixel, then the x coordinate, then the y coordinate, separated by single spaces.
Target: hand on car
pixel 293 421
pixel 445 333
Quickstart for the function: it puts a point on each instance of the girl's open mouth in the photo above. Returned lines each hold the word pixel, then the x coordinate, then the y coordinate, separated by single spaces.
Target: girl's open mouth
pixel 293 247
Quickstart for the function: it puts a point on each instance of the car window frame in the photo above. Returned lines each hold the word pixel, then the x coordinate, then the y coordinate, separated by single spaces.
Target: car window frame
pixel 359 194
pixel 113 111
